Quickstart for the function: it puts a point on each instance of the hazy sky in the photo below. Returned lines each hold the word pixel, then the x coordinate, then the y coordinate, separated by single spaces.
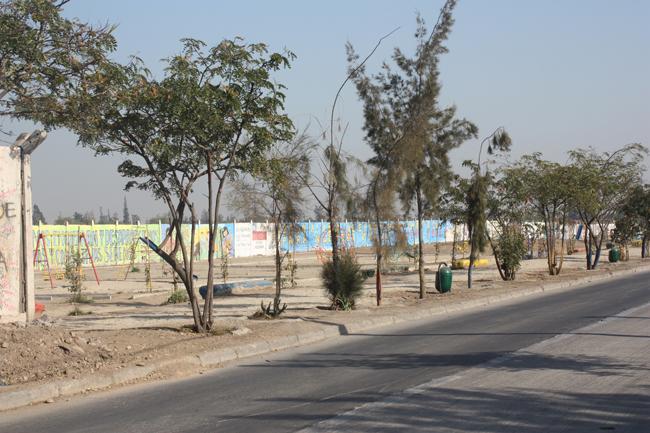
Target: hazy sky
pixel 557 74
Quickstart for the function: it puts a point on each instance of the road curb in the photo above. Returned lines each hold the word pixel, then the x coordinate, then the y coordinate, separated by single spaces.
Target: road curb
pixel 15 396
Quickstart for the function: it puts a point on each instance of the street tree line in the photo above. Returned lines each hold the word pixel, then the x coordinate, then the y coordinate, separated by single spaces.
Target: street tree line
pixel 216 120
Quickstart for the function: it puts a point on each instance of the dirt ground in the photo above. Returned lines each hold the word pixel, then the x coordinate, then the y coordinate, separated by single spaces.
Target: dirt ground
pixel 129 325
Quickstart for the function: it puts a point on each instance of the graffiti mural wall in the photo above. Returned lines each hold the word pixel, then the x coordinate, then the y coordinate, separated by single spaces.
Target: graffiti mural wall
pixel 113 244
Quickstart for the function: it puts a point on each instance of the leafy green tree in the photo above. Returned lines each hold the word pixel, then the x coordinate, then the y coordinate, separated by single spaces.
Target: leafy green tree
pixel 633 219
pixel 508 214
pixel 601 182
pixel 47 62
pixel 546 186
pixel 214 114
pixel 405 126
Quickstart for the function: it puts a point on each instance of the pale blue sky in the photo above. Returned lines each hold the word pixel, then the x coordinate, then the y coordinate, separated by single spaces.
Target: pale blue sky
pixel 557 74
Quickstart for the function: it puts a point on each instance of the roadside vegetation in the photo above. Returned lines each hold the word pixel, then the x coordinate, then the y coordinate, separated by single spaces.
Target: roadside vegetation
pixel 216 119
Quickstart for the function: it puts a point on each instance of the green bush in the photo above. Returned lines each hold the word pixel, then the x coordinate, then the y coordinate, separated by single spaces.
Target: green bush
pixel 178 297
pixel 510 250
pixel 345 284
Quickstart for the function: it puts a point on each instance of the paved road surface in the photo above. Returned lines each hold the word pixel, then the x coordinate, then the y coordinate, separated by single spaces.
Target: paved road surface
pixel 455 373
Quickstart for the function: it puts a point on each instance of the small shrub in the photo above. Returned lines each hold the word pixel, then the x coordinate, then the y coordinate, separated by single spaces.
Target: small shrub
pixel 79 312
pixel 135 269
pixel 178 297
pixel 74 274
pixel 345 284
pixel 270 311
pixel 510 249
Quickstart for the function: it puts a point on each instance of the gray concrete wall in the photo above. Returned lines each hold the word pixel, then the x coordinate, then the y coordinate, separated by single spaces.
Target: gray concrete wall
pixel 16 270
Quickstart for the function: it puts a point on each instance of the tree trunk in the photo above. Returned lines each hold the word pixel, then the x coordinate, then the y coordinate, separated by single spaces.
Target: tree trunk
pixel 380 245
pixel 469 271
pixel 278 268
pixel 588 254
pixel 420 211
pixel 549 227
pixel 503 276
pixel 471 260
pixel 454 242
pixel 644 246
pixel 334 235
pixel 212 228
pixel 599 248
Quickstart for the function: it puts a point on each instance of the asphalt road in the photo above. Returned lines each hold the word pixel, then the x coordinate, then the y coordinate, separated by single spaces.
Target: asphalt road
pixel 293 390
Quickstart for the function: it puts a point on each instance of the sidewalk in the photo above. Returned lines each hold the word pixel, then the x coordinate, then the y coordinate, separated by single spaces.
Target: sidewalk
pixel 593 379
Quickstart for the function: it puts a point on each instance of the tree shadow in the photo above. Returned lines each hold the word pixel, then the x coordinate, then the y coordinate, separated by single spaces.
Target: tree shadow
pixel 448 409
pixel 501 361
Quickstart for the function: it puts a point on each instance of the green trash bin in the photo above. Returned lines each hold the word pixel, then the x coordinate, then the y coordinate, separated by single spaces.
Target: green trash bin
pixel 443 278
pixel 614 255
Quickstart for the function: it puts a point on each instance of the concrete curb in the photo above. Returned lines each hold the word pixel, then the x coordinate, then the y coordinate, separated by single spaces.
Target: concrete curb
pixel 15 396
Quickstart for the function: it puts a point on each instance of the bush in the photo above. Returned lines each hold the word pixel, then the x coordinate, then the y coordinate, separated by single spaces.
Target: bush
pixel 510 249
pixel 74 275
pixel 345 284
pixel 79 312
pixel 178 297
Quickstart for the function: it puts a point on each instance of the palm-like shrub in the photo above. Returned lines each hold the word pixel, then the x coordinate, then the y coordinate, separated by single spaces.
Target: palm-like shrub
pixel 345 284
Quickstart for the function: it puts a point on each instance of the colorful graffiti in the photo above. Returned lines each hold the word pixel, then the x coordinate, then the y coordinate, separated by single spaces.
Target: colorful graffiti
pixel 113 244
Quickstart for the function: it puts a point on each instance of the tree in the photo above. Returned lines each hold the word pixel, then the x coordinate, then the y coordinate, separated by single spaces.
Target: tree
pixel 276 188
pixel 507 216
pixel 47 62
pixel 214 114
pixel 476 197
pixel 633 219
pixel 126 217
pixel 409 132
pixel 601 182
pixel 37 215
pixel 546 186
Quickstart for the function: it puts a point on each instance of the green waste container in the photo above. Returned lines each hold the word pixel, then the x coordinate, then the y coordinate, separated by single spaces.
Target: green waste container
pixel 443 278
pixel 614 255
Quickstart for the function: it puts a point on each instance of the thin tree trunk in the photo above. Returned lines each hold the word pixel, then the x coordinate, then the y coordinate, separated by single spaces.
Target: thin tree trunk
pixel 454 243
pixel 420 240
pixel 380 245
pixel 550 241
pixel 559 268
pixel 471 259
pixel 496 258
pixel 587 242
pixel 212 228
pixel 217 203
pixel 278 268
pixel 334 235
pixel 599 246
